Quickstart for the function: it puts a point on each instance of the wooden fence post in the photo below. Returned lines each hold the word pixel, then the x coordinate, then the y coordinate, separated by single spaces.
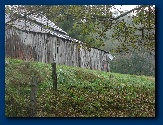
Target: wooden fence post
pixel 33 96
pixel 54 76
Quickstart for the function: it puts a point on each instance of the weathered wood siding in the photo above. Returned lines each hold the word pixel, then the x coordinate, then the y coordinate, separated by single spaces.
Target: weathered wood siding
pixel 47 48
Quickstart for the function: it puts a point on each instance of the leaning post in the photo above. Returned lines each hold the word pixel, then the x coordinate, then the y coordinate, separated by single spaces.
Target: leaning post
pixel 54 76
pixel 33 96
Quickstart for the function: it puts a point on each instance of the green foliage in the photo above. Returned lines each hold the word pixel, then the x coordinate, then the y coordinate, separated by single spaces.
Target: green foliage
pixel 90 24
pixel 138 63
pixel 81 92
pixel 136 31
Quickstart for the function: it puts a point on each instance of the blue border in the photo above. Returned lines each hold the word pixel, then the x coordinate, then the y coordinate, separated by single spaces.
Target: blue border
pixel 90 121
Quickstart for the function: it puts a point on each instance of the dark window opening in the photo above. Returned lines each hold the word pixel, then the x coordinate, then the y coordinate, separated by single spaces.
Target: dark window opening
pixel 57 49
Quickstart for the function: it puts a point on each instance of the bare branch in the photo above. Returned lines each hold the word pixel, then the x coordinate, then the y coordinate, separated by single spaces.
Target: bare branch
pixel 124 14
pixel 20 16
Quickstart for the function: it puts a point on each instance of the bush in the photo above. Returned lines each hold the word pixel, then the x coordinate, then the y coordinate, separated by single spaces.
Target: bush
pixel 134 63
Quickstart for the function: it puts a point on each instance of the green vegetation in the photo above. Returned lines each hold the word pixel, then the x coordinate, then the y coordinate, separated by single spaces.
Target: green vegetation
pixel 136 63
pixel 81 92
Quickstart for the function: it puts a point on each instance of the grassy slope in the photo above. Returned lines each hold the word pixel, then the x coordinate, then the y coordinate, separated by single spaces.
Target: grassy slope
pixel 81 92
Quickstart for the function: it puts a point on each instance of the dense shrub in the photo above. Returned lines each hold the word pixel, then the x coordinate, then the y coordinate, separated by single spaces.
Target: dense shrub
pixel 134 63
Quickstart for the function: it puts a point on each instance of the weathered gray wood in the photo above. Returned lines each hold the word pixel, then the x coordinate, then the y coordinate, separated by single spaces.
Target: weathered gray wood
pixel 48 49
pixel 63 53
pixel 51 50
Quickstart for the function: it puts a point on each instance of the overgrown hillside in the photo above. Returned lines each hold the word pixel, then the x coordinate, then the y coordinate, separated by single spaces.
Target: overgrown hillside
pixel 81 92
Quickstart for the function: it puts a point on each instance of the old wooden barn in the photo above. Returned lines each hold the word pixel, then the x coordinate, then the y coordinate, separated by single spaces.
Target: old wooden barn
pixel 29 39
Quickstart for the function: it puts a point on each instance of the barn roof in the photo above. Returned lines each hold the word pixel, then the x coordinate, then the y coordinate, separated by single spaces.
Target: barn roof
pixel 39 23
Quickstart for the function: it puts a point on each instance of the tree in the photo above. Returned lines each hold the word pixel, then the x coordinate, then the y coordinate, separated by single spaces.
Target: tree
pixel 138 34
pixel 90 24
